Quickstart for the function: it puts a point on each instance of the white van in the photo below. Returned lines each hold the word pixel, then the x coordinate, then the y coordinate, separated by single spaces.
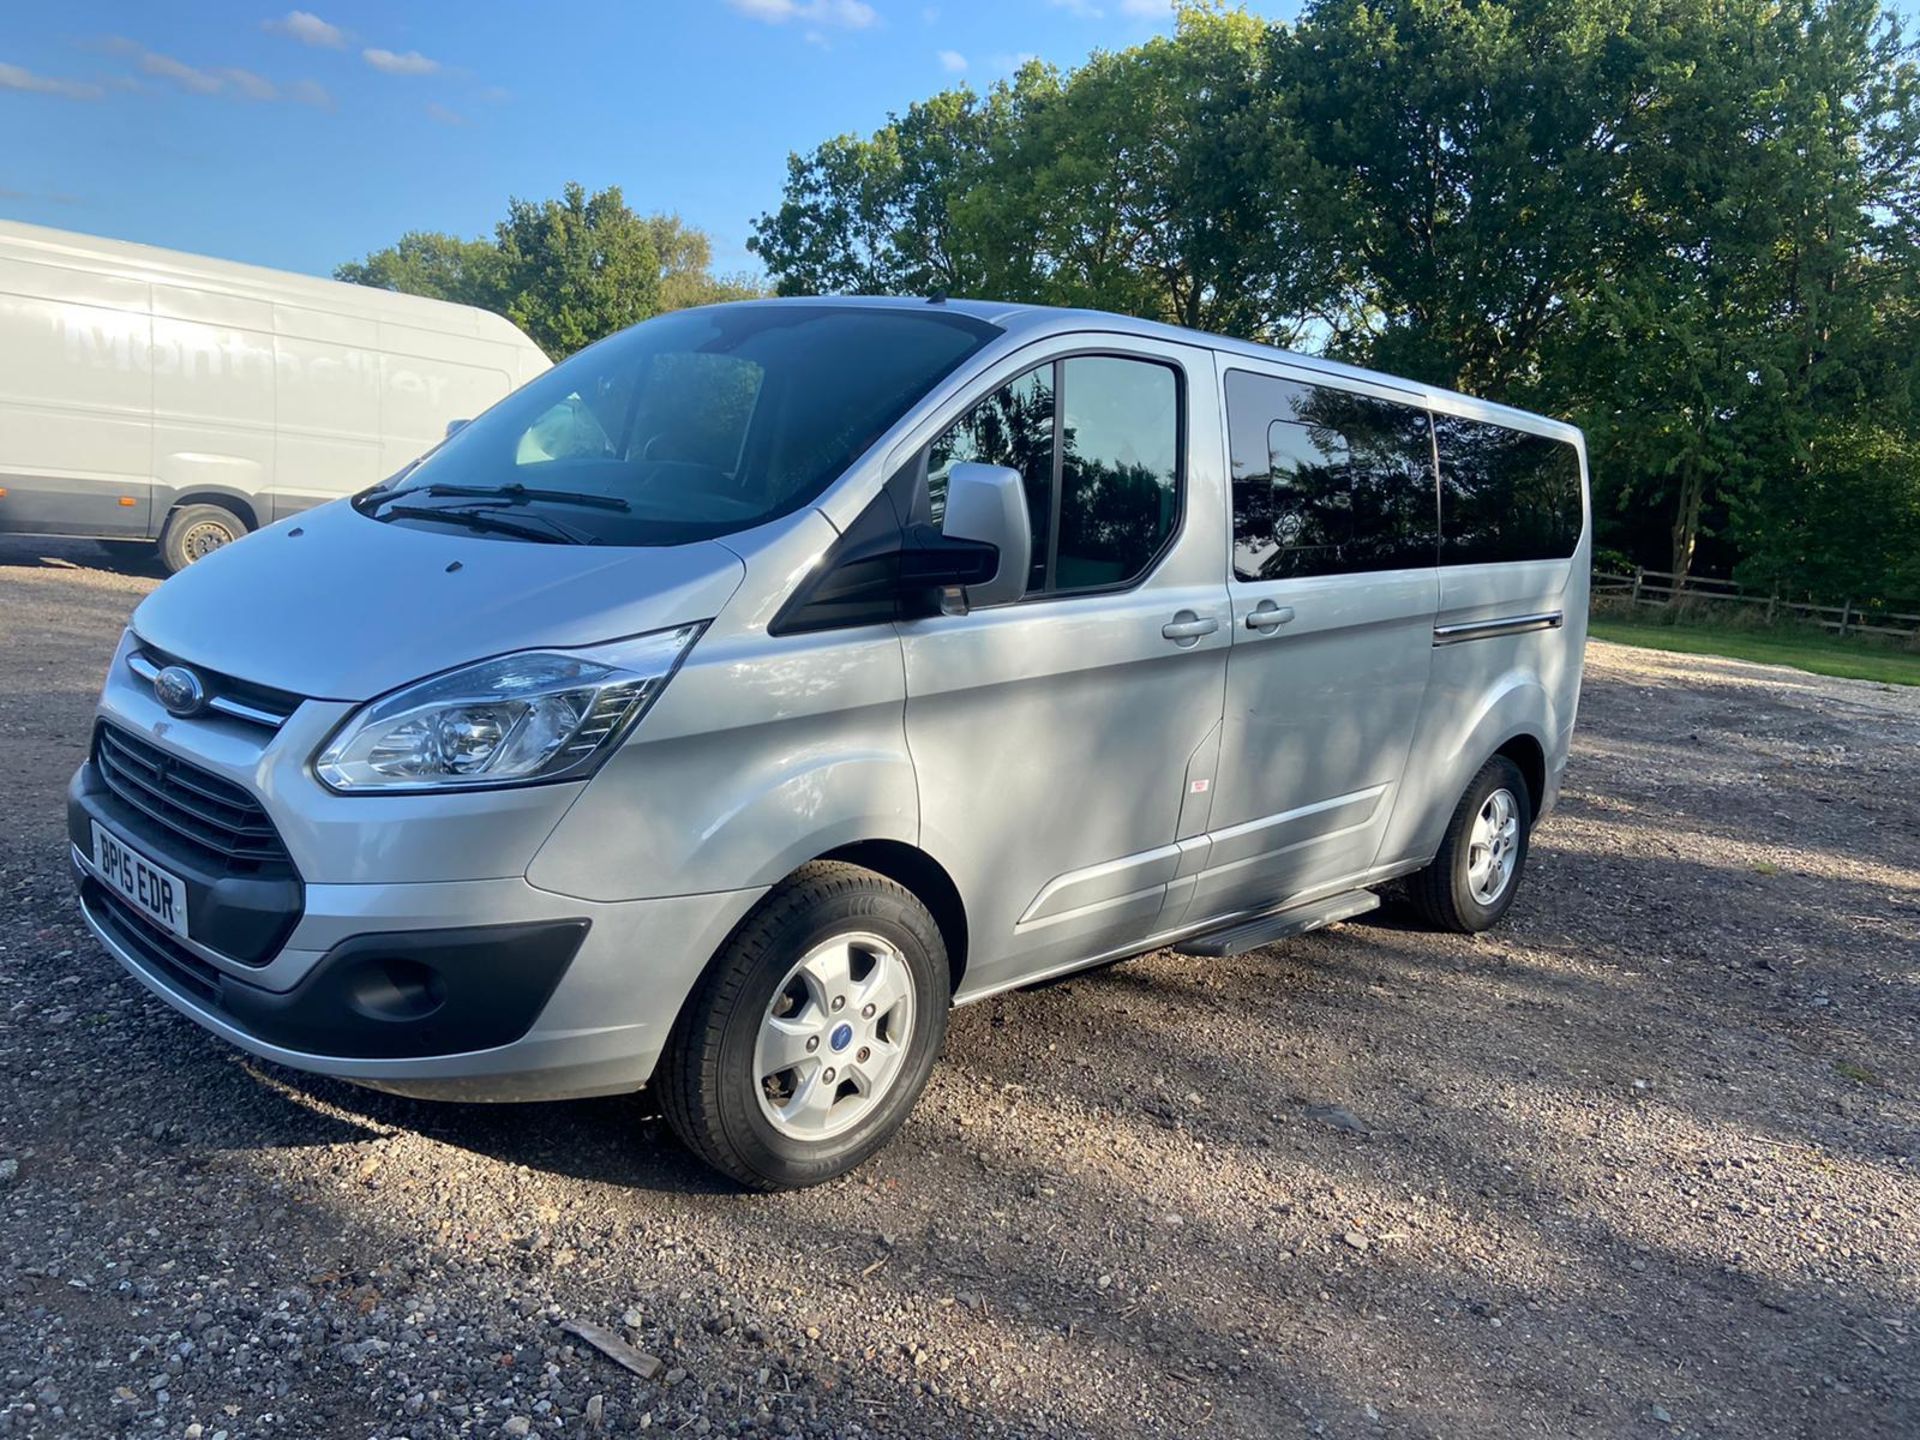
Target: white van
pixel 147 395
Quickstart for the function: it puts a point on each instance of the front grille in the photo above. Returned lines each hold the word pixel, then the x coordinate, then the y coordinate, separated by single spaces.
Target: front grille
pixel 218 817
pixel 226 694
pixel 158 951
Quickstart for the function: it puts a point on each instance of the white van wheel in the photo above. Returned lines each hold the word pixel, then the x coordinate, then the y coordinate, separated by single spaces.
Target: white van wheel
pixel 1472 881
pixel 195 531
pixel 805 1045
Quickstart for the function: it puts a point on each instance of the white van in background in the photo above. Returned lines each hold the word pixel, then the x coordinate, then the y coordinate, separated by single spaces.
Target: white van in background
pixel 148 395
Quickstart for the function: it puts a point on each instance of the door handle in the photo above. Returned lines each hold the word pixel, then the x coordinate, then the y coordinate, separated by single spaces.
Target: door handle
pixel 1267 616
pixel 1186 628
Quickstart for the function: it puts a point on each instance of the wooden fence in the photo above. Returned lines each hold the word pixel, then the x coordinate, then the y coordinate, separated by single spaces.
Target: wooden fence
pixel 1661 588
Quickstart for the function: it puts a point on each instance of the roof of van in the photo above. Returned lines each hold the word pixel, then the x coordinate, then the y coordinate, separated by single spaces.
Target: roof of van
pixel 1033 322
pixel 127 260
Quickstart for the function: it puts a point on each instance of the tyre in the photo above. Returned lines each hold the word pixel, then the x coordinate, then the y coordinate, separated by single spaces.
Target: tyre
pixel 195 531
pixel 1472 881
pixel 811 1035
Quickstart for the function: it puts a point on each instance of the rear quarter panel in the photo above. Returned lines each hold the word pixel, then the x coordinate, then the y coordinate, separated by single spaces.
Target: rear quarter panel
pixel 1483 693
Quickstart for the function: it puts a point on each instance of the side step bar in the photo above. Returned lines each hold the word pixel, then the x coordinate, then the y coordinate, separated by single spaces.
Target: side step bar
pixel 1280 925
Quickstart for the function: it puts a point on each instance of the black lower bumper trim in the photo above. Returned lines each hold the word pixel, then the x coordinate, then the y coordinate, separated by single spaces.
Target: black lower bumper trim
pixel 408 994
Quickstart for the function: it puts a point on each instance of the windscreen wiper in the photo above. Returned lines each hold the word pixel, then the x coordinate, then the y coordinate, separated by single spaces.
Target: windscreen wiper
pixel 477 520
pixel 520 494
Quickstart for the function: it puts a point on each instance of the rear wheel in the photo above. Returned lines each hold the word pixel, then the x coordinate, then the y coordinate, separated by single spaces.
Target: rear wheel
pixel 807 1042
pixel 1472 881
pixel 195 531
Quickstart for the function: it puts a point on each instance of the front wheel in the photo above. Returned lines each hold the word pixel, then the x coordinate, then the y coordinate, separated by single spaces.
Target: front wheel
pixel 1472 881
pixel 812 1034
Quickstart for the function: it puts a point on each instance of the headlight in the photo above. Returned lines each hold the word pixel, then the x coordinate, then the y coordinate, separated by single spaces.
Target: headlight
pixel 538 715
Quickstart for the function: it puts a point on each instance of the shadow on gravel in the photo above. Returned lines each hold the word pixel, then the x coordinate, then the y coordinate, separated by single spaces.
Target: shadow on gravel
pixel 27 552
pixel 616 1140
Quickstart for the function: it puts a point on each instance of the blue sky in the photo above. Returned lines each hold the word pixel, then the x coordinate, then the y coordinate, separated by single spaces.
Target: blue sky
pixel 303 138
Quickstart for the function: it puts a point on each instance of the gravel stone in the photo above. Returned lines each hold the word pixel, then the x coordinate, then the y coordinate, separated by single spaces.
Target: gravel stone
pixel 193 1239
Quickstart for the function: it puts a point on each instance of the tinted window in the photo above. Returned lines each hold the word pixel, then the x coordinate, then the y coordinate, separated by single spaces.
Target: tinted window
pixel 1011 427
pixel 1326 482
pixel 1112 456
pixel 1119 469
pixel 701 422
pixel 1505 495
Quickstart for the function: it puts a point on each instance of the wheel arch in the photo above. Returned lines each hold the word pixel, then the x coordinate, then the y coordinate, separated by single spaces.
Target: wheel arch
pixel 234 500
pixel 1525 751
pixel 927 878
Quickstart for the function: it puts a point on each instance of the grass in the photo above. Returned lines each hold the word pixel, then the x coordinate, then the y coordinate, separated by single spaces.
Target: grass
pixel 1802 649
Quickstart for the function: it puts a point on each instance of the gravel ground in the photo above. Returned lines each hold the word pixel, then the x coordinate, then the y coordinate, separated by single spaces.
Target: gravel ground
pixel 1644 1161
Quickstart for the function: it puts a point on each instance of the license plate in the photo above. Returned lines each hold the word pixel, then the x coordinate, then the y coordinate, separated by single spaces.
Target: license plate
pixel 158 894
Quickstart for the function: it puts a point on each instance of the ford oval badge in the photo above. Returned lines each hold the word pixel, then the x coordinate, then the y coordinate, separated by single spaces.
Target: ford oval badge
pixel 180 690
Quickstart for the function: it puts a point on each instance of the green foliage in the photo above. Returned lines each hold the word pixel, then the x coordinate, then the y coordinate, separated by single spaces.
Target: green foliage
pixel 1687 225
pixel 1803 649
pixel 442 267
pixel 566 271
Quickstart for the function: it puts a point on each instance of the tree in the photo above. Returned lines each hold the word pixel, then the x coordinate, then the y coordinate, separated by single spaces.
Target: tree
pixel 578 268
pixel 1688 225
pixel 567 271
pixel 444 267
pixel 1161 181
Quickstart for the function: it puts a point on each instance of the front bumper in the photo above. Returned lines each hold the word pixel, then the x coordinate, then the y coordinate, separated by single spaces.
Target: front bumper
pixel 543 997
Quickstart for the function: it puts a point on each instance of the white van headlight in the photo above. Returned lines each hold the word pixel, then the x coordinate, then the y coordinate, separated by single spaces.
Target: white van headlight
pixel 514 720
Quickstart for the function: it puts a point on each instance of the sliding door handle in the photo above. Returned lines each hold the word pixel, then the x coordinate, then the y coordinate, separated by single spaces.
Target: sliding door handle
pixel 1267 616
pixel 1187 627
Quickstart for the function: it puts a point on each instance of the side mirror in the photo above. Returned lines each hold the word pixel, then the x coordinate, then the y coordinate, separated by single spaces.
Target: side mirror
pixel 454 427
pixel 987 504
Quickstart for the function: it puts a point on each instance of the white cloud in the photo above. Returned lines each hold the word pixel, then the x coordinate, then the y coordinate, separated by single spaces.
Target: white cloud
pixel 1013 61
pixel 930 15
pixel 254 87
pixel 410 63
pixel 310 92
pixel 847 14
pixel 1147 9
pixel 13 77
pixel 200 82
pixel 308 29
pixel 952 61
pixel 444 116
pixel 1079 9
pixel 226 80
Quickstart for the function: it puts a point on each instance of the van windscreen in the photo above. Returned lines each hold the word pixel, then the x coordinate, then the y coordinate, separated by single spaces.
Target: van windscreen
pixel 689 426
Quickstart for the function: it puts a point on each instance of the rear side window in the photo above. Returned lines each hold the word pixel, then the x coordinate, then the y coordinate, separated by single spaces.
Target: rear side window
pixel 1505 495
pixel 1326 482
pixel 1097 438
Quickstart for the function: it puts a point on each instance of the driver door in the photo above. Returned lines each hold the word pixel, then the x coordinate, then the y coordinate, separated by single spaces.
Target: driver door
pixel 1058 740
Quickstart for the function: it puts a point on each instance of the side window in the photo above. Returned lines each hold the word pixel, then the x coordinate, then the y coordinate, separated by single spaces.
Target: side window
pixel 1505 495
pixel 1105 500
pixel 1119 469
pixel 1326 482
pixel 1013 427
